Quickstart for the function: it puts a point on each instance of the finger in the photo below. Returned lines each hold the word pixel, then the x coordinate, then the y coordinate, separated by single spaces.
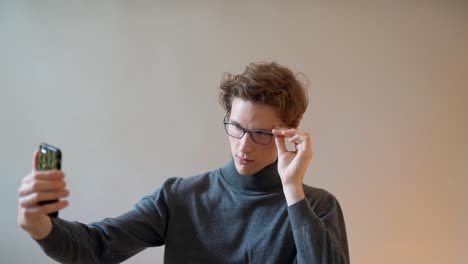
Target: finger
pixel 47 208
pixel 298 138
pixel 279 131
pixel 33 199
pixel 295 139
pixel 54 207
pixel 28 178
pixel 49 175
pixel 41 186
pixel 280 144
pixel 304 146
pixel 290 132
pixel 35 160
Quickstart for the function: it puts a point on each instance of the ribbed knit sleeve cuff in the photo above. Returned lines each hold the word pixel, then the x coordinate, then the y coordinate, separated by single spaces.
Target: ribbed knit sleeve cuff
pixel 301 214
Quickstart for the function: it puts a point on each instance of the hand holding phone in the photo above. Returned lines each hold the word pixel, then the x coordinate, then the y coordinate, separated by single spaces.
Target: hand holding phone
pixel 41 192
pixel 50 158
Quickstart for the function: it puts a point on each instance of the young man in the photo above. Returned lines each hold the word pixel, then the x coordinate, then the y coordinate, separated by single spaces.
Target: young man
pixel 256 209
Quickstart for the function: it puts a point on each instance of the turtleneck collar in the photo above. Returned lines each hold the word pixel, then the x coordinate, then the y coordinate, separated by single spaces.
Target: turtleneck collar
pixel 267 179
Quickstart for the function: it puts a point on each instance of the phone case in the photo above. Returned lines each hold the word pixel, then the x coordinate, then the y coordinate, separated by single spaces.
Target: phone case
pixel 50 158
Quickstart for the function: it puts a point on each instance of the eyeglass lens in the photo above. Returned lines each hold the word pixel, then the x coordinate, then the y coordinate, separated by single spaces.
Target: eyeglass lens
pixel 257 136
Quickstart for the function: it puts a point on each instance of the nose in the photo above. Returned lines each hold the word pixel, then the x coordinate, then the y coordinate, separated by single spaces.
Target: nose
pixel 246 143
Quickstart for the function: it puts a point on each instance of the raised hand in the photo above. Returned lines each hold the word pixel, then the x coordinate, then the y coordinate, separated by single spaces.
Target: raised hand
pixel 39 186
pixel 292 165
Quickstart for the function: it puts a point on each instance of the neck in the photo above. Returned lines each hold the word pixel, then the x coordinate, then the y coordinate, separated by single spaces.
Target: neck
pixel 267 179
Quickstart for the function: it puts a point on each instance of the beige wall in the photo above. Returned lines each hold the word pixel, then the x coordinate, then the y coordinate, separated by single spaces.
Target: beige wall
pixel 129 92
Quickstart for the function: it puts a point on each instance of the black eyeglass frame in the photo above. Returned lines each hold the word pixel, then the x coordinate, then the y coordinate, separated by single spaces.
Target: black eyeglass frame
pixel 250 131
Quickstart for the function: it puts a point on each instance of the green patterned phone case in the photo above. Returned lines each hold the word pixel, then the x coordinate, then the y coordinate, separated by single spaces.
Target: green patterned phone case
pixel 50 158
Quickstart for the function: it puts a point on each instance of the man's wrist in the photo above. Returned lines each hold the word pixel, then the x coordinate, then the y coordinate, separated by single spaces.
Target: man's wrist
pixel 42 230
pixel 293 193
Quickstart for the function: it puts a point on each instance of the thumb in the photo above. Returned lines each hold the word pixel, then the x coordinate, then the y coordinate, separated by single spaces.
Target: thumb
pixel 280 144
pixel 35 160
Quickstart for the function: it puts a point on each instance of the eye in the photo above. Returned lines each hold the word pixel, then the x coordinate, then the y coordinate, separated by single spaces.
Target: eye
pixel 234 130
pixel 262 137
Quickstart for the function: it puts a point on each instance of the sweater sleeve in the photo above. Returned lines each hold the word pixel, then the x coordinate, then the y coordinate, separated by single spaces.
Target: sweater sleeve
pixel 319 231
pixel 112 240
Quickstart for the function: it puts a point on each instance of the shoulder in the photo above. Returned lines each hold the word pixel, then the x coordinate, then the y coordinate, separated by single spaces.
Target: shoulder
pixel 315 193
pixel 197 183
pixel 176 188
pixel 321 200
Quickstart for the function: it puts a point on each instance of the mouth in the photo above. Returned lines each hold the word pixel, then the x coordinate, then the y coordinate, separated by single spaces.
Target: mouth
pixel 243 161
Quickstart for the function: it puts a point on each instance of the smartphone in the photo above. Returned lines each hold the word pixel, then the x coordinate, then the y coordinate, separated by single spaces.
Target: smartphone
pixel 50 158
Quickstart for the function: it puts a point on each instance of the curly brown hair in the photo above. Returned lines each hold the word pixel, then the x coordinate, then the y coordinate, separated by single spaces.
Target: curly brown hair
pixel 269 84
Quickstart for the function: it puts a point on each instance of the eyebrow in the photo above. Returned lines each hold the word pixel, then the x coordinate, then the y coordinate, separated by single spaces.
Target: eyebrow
pixel 257 129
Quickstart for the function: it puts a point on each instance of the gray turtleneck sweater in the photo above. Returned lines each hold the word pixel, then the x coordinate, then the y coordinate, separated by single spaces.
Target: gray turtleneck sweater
pixel 216 217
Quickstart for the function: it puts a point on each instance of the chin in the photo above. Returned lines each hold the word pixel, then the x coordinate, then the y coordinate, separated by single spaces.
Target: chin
pixel 246 171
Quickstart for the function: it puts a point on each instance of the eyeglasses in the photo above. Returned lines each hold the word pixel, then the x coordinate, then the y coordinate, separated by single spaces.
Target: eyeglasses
pixel 258 136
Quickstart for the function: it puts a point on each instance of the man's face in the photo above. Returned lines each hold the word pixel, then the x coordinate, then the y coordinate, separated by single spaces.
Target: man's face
pixel 250 157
